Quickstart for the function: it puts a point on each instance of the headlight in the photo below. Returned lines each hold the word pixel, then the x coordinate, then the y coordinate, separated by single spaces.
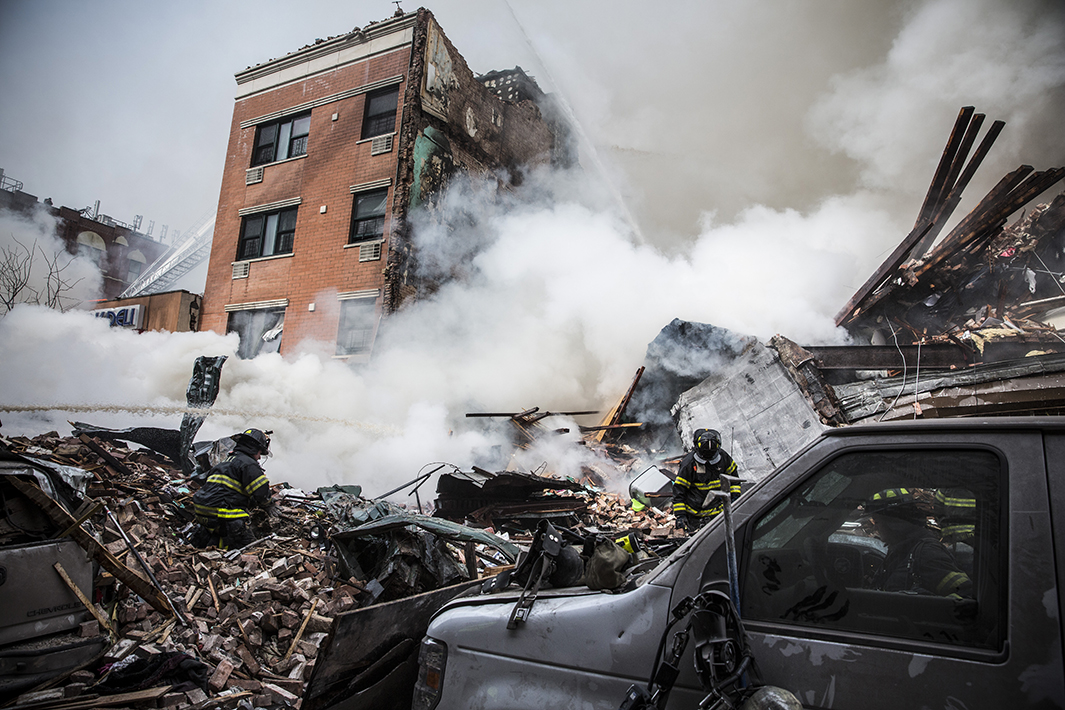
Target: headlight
pixel 431 661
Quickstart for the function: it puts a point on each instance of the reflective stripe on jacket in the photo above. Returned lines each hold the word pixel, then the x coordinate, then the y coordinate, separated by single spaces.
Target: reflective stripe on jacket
pixel 232 487
pixel 694 480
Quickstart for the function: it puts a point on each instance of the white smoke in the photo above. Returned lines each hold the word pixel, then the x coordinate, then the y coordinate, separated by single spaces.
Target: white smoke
pixel 748 221
pixel 35 266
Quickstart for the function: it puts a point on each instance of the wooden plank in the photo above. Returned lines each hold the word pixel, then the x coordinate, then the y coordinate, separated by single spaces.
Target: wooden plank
pixel 951 203
pixel 614 415
pixel 104 623
pixel 99 701
pixel 964 232
pixel 857 302
pixel 994 215
pixel 299 634
pixel 98 552
pixel 938 188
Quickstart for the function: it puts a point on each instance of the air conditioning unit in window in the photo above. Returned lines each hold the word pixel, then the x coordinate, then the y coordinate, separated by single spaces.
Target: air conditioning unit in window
pixel 381 144
pixel 241 269
pixel 253 175
pixel 370 252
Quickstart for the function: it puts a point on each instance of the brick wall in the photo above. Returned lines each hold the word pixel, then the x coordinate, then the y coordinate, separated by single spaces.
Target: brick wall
pixel 320 266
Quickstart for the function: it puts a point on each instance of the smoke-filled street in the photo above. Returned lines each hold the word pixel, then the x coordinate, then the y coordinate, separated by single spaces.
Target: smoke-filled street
pixel 655 239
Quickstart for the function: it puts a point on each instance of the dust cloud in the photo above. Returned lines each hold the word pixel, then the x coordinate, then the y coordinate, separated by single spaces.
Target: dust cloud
pixel 771 153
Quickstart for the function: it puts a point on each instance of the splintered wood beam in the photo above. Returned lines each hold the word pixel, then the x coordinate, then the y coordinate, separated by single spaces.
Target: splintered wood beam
pixel 938 191
pixel 993 213
pixel 616 412
pixel 938 188
pixel 951 203
pixel 974 224
pixel 857 303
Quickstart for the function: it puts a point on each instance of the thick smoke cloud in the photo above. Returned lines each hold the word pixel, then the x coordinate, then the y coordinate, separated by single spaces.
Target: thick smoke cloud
pixel 771 154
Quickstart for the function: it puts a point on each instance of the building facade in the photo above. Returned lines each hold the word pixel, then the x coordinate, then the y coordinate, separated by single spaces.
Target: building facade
pixel 331 149
pixel 120 251
pixel 173 311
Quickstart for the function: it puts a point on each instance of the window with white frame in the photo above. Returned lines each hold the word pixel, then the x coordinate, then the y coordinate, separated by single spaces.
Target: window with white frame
pixel 356 330
pixel 282 139
pixel 380 116
pixel 267 234
pixel 368 216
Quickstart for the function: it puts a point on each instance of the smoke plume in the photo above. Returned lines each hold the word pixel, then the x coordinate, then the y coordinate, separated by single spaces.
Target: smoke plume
pixel 772 155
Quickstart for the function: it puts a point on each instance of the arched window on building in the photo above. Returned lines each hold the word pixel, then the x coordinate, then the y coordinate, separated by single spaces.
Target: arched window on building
pixel 136 265
pixel 92 246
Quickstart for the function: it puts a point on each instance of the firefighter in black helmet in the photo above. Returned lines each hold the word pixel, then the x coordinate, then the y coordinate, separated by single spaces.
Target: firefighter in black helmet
pixel 699 473
pixel 232 487
pixel 916 562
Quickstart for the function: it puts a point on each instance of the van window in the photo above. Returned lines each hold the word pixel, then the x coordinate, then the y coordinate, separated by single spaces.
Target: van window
pixel 897 543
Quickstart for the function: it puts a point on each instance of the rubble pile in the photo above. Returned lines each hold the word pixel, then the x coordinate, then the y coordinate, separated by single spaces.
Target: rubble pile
pixel 254 619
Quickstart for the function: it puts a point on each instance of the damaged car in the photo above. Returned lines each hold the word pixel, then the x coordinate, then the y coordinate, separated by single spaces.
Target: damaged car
pixel 822 599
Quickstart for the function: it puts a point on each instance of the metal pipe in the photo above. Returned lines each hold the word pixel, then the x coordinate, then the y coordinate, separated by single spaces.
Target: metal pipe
pixel 173 607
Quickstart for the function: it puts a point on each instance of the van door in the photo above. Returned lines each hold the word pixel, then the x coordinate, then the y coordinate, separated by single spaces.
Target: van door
pixel 896 572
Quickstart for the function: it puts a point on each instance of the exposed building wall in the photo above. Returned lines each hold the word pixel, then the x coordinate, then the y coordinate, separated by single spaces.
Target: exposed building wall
pixel 453 123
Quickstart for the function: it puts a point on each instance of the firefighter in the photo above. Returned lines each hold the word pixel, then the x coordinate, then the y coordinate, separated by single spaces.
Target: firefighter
pixel 916 562
pixel 955 510
pixel 699 473
pixel 232 487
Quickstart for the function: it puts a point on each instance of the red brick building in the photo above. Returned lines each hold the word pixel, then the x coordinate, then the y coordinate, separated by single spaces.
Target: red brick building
pixel 331 148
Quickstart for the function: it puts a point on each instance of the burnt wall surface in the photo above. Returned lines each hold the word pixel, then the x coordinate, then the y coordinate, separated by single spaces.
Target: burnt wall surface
pixel 452 123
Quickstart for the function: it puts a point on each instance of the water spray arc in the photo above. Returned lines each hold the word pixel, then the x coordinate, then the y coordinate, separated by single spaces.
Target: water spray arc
pixel 165 410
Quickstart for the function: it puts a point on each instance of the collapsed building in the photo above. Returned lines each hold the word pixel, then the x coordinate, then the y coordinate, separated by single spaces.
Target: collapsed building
pixel 333 149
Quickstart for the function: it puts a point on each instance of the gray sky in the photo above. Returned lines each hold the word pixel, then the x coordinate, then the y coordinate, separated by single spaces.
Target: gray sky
pixel 691 106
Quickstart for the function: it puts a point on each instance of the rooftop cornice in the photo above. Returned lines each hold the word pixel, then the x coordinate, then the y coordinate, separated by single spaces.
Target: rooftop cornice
pixel 327 47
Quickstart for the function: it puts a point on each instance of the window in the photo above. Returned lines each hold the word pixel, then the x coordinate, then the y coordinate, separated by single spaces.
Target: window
pixel 267 234
pixel 92 246
pixel 355 334
pixel 136 265
pixel 380 115
pixel 902 544
pixel 282 139
pixel 259 330
pixel 368 216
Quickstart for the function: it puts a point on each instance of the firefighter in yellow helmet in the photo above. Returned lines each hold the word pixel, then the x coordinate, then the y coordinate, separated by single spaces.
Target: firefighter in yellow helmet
pixel 232 487
pixel 699 473
pixel 916 561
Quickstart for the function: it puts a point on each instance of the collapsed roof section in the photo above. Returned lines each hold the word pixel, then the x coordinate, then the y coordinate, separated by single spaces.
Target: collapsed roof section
pixel 982 269
pixel 953 327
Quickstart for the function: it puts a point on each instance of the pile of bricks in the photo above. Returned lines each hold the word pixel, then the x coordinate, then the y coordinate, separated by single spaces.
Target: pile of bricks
pixel 256 617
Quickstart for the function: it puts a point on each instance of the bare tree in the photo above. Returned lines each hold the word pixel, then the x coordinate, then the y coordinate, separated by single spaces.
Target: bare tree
pixel 55 284
pixel 16 267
